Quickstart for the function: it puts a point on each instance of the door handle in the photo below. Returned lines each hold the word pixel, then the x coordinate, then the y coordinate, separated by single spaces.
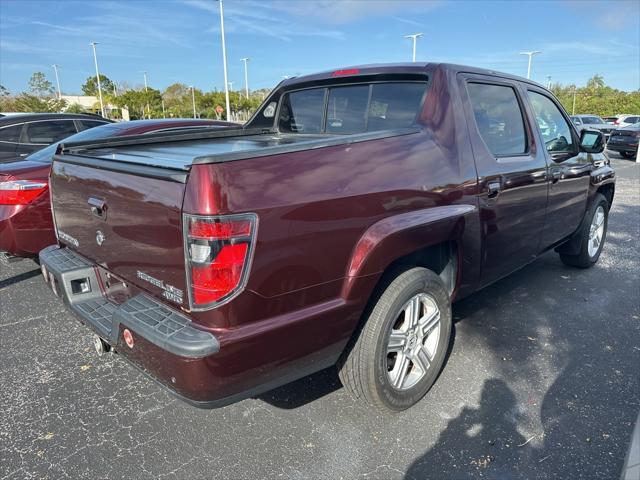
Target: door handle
pixel 556 175
pixel 493 189
pixel 98 207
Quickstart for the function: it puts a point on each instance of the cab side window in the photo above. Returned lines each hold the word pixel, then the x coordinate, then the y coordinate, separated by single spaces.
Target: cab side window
pixel 554 129
pixel 498 118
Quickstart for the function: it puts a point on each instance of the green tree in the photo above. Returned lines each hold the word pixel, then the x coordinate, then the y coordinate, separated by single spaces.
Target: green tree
pixel 3 91
pixel 75 108
pixel 26 102
pixel 90 87
pixel 39 85
pixel 597 98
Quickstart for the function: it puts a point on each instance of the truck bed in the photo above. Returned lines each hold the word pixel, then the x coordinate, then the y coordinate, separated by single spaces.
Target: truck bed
pixel 180 151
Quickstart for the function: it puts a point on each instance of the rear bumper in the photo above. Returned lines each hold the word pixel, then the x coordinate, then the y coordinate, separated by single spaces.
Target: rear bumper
pixel 164 340
pixel 205 369
pixel 622 147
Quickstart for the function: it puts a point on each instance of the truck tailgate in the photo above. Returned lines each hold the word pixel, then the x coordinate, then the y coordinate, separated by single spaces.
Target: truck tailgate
pixel 129 223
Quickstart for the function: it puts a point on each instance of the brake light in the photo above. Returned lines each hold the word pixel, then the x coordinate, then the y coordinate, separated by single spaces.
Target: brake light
pixel 219 251
pixel 20 192
pixel 346 71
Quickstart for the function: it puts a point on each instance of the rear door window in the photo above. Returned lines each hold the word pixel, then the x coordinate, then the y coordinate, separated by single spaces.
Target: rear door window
pixel 47 132
pixel 498 118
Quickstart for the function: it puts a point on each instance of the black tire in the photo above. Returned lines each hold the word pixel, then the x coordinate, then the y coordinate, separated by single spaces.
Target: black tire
pixel 628 155
pixel 584 259
pixel 363 366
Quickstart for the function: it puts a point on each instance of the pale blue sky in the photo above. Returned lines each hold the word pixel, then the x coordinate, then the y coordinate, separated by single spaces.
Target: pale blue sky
pixel 179 40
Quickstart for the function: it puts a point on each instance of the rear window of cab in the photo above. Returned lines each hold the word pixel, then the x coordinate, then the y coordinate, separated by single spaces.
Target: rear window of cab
pixel 348 109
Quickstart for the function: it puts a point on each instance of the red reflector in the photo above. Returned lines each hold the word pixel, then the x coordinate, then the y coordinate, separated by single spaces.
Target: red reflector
pixel 219 230
pixel 212 282
pixel 128 337
pixel 20 192
pixel 346 71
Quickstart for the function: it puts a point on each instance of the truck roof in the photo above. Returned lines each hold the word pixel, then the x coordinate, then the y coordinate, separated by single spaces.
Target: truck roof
pixel 406 67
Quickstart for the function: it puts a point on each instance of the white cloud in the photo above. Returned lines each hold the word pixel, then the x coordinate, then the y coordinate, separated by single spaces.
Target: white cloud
pixel 345 11
pixel 261 19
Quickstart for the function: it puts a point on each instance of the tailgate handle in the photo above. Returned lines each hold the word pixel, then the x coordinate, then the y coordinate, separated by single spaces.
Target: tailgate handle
pixel 98 207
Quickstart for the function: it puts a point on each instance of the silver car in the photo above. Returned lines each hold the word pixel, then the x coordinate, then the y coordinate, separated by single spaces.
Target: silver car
pixel 592 122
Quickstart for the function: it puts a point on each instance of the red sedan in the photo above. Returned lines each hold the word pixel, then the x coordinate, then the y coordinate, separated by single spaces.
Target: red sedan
pixel 26 225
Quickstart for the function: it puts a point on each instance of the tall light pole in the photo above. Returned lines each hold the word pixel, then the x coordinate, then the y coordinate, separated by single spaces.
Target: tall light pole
pixel 146 90
pixel 548 82
pixel 193 100
pixel 55 69
pixel 246 76
pixel 231 86
pixel 573 109
pixel 95 60
pixel 224 62
pixel 414 37
pixel 530 55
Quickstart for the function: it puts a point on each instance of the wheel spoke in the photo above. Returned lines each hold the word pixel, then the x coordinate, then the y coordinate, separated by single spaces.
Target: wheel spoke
pixel 412 312
pixel 422 359
pixel 403 367
pixel 397 341
pixel 428 322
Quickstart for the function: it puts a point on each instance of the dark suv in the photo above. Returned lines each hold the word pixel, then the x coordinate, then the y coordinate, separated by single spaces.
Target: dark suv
pixel 22 134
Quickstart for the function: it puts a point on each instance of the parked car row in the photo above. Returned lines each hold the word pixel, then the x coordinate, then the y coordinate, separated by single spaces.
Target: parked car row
pixel 26 224
pixel 336 227
pixel 622 120
pixel 22 134
pixel 625 140
pixel 621 132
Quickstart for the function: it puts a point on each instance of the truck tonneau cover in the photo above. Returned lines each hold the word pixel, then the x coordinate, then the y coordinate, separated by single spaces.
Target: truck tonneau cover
pixel 180 151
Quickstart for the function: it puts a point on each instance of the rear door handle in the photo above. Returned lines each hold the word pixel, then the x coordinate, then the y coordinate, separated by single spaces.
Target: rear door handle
pixel 493 189
pixel 98 207
pixel 555 176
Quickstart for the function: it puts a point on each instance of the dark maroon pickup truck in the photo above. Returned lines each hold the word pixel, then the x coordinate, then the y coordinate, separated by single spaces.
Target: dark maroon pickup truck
pixel 336 227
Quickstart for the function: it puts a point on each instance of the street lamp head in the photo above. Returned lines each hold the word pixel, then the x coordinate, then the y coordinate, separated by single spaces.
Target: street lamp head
pixel 246 59
pixel 415 35
pixel 534 52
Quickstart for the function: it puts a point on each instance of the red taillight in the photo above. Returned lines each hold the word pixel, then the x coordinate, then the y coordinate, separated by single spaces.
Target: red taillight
pixel 346 71
pixel 218 251
pixel 616 121
pixel 20 192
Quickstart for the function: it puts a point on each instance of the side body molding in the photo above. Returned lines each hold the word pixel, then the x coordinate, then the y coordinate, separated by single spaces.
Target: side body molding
pixel 399 235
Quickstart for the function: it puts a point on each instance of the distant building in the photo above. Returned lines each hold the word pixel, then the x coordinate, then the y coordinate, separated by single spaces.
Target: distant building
pixel 91 104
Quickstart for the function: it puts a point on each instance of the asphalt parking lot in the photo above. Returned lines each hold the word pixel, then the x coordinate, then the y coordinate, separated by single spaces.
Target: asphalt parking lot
pixel 542 382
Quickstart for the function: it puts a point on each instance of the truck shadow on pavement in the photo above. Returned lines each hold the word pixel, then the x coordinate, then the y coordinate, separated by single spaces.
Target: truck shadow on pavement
pixel 565 391
pixel 19 278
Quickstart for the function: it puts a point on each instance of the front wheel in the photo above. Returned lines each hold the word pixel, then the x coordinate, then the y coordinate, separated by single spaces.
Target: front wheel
pixel 628 155
pixel 592 235
pixel 399 352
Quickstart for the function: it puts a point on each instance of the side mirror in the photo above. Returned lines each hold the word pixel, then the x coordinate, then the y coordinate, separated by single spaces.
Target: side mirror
pixel 592 141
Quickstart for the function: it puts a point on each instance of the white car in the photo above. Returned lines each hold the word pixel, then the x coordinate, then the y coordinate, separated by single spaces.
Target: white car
pixel 626 120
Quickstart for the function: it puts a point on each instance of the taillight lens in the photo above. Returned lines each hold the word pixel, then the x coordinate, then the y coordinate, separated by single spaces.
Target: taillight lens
pixel 20 192
pixel 218 252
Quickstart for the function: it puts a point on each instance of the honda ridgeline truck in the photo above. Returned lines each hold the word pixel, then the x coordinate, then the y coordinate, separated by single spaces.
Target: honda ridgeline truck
pixel 336 227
